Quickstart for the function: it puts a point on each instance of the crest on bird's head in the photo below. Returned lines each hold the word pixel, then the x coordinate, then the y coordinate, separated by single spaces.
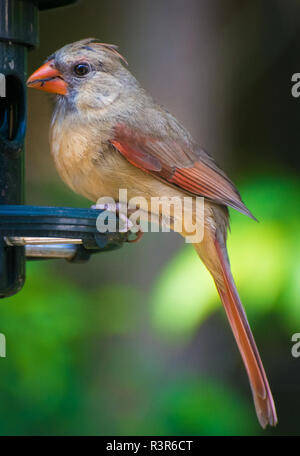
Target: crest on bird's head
pixel 91 44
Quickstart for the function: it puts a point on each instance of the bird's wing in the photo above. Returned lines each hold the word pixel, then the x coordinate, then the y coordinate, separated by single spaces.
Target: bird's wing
pixel 179 164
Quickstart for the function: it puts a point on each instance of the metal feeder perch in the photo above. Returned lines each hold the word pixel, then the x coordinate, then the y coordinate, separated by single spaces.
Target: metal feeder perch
pixel 28 232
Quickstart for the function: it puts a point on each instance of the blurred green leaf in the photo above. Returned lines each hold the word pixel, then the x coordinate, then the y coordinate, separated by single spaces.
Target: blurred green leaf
pixel 118 309
pixel 204 407
pixel 183 296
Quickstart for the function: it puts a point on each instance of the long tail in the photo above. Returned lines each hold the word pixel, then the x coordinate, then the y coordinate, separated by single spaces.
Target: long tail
pixel 214 255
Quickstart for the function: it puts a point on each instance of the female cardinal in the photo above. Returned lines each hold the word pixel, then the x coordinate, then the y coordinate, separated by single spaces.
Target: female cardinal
pixel 107 133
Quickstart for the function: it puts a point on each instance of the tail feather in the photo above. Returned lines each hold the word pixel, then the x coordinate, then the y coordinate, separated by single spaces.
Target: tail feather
pixel 263 400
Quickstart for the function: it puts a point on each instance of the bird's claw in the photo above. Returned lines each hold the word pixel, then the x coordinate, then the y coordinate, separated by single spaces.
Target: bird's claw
pixel 125 225
pixel 139 234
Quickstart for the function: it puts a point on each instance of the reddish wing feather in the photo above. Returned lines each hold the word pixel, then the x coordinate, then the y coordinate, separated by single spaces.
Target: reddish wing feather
pixel 191 170
pixel 137 157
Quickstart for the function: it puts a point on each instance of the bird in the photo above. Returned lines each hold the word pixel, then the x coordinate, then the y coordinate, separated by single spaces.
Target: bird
pixel 108 133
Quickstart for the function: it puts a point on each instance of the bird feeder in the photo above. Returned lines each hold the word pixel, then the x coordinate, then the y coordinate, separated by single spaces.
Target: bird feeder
pixel 28 232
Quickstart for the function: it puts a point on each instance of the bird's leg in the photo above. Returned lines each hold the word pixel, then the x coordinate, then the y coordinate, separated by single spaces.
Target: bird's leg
pixel 125 225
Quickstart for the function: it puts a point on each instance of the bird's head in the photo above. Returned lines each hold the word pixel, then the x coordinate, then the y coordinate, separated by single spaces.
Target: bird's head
pixel 87 73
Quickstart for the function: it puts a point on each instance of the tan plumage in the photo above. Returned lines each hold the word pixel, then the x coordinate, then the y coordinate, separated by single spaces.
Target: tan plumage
pixel 107 133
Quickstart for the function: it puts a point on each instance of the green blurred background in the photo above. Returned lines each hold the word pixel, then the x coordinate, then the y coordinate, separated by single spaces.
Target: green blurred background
pixel 136 342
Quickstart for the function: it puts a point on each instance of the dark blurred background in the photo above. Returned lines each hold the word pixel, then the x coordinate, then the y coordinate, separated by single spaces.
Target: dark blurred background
pixel 136 342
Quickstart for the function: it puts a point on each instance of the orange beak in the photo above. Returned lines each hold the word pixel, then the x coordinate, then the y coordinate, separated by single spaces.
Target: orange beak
pixel 49 79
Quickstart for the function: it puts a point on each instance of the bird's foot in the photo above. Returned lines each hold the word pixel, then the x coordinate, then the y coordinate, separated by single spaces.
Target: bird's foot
pixel 125 225
pixel 138 236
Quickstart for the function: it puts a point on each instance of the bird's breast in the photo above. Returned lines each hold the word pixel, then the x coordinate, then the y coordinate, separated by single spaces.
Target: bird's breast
pixel 79 155
pixel 92 167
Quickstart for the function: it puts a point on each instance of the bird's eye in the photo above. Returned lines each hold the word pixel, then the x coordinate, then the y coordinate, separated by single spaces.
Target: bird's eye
pixel 81 69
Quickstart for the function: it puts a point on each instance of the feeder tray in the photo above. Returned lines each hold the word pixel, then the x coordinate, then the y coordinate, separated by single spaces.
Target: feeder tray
pixel 32 225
